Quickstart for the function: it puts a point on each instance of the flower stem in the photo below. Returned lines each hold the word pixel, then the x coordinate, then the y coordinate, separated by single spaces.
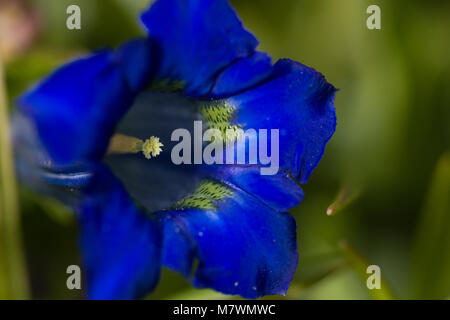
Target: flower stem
pixel 13 275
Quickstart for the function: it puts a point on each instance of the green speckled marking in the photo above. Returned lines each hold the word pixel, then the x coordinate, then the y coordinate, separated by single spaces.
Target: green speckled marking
pixel 205 196
pixel 218 116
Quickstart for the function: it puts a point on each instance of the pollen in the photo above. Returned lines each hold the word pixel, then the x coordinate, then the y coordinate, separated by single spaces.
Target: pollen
pixel 123 144
pixel 152 147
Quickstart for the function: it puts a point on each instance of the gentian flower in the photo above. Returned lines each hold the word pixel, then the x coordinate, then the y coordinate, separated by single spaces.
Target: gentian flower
pixel 91 134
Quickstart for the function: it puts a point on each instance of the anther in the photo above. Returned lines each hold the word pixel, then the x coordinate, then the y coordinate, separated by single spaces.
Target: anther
pixel 151 147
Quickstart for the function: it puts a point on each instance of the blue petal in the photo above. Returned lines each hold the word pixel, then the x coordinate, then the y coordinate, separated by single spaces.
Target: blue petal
pixel 38 171
pixel 243 247
pixel 242 74
pixel 299 102
pixel 138 60
pixel 120 244
pixel 198 39
pixel 76 108
pixel 277 191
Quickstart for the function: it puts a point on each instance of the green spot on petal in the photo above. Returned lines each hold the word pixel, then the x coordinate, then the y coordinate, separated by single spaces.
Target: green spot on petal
pixel 218 115
pixel 205 196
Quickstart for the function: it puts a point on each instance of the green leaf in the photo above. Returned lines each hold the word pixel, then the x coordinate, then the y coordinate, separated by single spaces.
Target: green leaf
pixel 431 252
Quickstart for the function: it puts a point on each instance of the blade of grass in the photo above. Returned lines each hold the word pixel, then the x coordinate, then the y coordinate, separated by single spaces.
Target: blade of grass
pixel 14 281
pixel 4 286
pixel 360 264
pixel 431 251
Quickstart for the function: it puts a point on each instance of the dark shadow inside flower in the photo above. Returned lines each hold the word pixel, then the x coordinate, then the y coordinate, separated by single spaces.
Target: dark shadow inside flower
pixel 157 183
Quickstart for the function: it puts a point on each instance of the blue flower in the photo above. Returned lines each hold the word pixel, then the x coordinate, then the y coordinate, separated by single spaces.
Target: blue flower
pixel 136 214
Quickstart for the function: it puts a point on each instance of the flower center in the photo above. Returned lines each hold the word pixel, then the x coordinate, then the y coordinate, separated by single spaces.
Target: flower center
pixel 120 144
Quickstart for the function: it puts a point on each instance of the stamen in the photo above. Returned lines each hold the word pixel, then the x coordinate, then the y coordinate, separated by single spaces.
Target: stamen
pixel 152 147
pixel 120 144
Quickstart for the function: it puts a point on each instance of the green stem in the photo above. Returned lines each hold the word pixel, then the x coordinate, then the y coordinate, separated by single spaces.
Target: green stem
pixel 13 278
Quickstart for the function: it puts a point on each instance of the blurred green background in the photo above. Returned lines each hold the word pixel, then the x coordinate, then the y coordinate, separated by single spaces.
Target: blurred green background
pixel 387 166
